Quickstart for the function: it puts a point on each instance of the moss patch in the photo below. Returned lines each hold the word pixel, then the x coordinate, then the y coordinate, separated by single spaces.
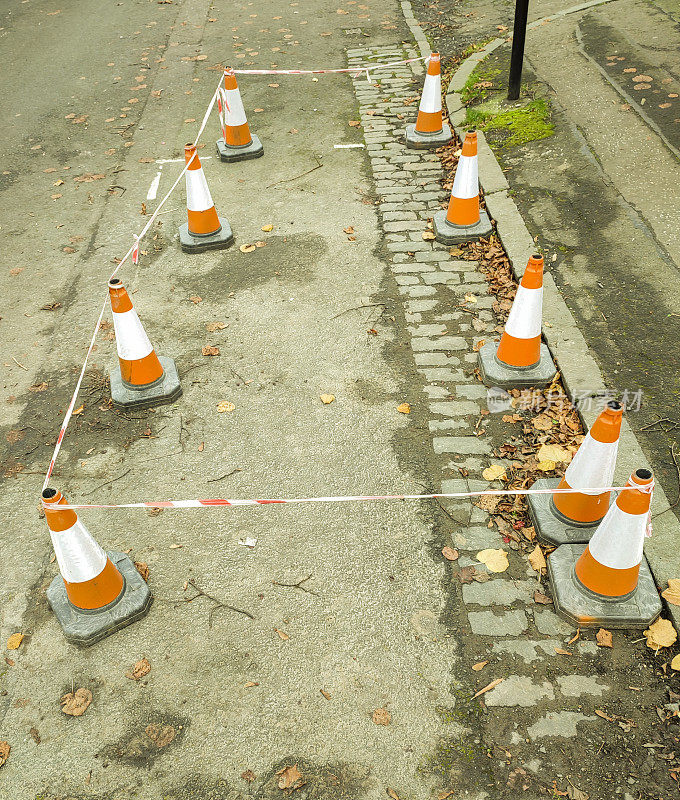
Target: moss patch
pixel 524 124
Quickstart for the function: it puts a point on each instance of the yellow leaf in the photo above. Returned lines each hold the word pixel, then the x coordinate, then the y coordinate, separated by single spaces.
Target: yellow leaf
pixel 327 398
pixel 428 236
pixel 672 594
pixel 675 663
pixel 660 634
pixel 495 560
pixel 537 560
pixel 404 408
pixel 547 466
pixel 225 405
pixel 470 298
pixel 553 452
pixel 267 228
pixel 494 472
pixel 479 665
pixel 14 641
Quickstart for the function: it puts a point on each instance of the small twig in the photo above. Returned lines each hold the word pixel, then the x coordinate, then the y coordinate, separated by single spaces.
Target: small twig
pixel 218 603
pixel 18 364
pixel 222 477
pixel 194 366
pixel 677 471
pixel 357 308
pixel 297 585
pixel 294 178
pixel 106 483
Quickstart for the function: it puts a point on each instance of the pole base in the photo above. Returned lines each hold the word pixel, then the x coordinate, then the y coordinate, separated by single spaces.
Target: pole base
pixel 549 527
pixel 197 244
pixel 427 141
pixel 495 373
pixel 227 152
pixel 87 627
pixel 584 610
pixel 166 390
pixel 446 233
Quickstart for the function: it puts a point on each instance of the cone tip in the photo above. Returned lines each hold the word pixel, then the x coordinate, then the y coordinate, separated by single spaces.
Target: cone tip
pixel 50 495
pixel 642 475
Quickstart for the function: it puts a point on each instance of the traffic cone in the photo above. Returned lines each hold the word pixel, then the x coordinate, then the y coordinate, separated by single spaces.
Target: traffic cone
pixel 463 221
pixel 607 582
pixel 520 359
pixel 141 379
pixel 204 230
pixel 430 130
pixel 237 142
pixel 569 518
pixel 97 592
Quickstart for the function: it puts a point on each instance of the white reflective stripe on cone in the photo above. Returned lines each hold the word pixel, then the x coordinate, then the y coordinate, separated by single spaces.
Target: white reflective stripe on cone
pixel 131 339
pixel 235 113
pixel 198 194
pixel 593 465
pixel 524 321
pixel 619 540
pixel 431 99
pixel 466 182
pixel 80 557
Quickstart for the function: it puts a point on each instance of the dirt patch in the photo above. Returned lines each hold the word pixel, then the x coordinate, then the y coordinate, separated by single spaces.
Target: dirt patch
pixel 150 737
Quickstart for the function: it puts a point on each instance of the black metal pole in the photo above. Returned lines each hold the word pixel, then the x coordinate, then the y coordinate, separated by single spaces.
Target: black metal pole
pixel 517 57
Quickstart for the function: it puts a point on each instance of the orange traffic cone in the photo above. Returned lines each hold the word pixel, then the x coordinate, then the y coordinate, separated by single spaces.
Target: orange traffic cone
pixel 520 359
pixel 430 130
pixel 97 592
pixel 142 378
pixel 463 221
pixel 204 230
pixel 237 142
pixel 564 518
pixel 607 582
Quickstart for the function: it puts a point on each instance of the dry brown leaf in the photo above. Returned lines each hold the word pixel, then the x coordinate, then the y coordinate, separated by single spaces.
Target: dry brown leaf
pixel 381 716
pixel 38 387
pixel 391 793
pixel 495 560
pixel 672 594
pixel 290 778
pixel 660 634
pixel 4 751
pixel 428 236
pixel 604 638
pixel 488 502
pixel 541 598
pixel 160 735
pixel 562 652
pixel 225 405
pixel 404 408
pixel 327 398
pixel 143 568
pixel 326 694
pixel 354 123
pixel 88 177
pixel 15 641
pixel 450 554
pixel 215 326
pixel 542 422
pixel 488 687
pixel 75 704
pixel 469 574
pixel 209 350
pixel 479 665
pixel 349 229
pixel 248 775
pixel 139 670
pixel 537 560
pixel 195 299
pixel 281 634
pixel 494 472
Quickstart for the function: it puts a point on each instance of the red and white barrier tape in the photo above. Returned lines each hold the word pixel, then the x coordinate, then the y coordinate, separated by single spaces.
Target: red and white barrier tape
pixel 134 246
pixel 358 70
pixel 206 503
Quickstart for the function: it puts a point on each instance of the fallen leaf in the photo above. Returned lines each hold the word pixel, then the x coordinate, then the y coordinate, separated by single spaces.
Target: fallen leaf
pixel 553 452
pixel 15 641
pixel 450 554
pixel 225 405
pixel 604 638
pixel 488 502
pixel 576 794
pixel 143 568
pixel 267 228
pixel 675 663
pixel 250 684
pixel 391 793
pixel 289 778
pixel 248 775
pixel 209 350
pixel 479 665
pixel 470 298
pixel 260 244
pixel 348 230
pixel 326 694
pixel 541 598
pixel 381 716
pixel 562 652
pixel 488 687
pixel 354 123
pixel 139 670
pixel 660 634
pixel 672 594
pixel 645 78
pixel 575 636
pixel 160 735
pixel 537 560
pixel 494 472
pixel 542 422
pixel 247 248
pixel 4 752
pixel 35 735
pixel 78 410
pixel 195 299
pixel 495 560
pixel 404 408
pixel 282 634
pixel 469 574
pixel 88 177
pixel 75 704
pixel 327 398
pixel 546 466
pixel 215 326
pixel 428 236
pixel 38 387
